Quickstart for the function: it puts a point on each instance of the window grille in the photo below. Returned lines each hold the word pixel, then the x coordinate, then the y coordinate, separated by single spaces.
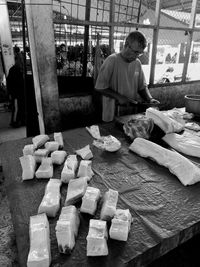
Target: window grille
pixel 80 24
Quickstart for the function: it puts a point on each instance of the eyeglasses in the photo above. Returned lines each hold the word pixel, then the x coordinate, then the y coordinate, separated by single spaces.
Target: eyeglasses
pixel 138 53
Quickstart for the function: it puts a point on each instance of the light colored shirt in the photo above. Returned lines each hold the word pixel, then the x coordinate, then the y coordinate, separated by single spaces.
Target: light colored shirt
pixel 120 76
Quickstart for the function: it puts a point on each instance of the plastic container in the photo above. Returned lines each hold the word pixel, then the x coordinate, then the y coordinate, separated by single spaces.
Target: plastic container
pixel 192 104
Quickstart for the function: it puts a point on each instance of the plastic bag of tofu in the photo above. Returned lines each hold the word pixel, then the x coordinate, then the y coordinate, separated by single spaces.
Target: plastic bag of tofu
pixel 108 143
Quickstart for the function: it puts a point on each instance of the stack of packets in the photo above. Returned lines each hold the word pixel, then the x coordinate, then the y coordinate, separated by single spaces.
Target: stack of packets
pixel 120 225
pixel 42 152
pixel 76 175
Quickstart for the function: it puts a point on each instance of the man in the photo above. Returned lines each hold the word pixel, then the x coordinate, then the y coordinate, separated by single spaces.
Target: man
pixel 15 87
pixel 121 78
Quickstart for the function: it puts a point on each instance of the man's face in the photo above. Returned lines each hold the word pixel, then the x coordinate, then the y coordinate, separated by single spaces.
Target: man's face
pixel 132 51
pixel 62 48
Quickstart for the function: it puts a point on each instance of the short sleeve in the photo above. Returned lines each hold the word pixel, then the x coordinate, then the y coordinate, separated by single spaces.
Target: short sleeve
pixel 105 74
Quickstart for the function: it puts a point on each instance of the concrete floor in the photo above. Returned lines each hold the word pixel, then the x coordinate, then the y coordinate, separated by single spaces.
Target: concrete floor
pixel 8 133
pixel 8 249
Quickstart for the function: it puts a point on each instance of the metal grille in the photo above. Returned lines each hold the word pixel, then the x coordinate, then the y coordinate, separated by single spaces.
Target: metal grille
pixel 15 16
pixel 69 37
pixel 174 19
pixel 170 56
pixel 83 27
pixel 15 11
pixel 70 58
pixel 100 10
pixel 194 59
pixel 197 18
pixel 178 17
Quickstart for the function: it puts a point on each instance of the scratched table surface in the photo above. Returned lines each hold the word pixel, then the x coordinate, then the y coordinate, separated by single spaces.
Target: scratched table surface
pixel 165 213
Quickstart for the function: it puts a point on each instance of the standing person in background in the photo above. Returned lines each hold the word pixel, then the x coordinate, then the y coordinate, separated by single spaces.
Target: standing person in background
pixel 15 87
pixel 121 78
pixel 63 55
pixel 64 63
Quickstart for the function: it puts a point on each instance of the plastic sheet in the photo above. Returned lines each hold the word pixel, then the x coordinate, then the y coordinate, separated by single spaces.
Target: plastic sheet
pixel 165 213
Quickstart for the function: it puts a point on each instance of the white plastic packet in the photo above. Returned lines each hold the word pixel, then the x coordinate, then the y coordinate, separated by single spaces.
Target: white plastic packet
pixel 108 143
pixel 94 131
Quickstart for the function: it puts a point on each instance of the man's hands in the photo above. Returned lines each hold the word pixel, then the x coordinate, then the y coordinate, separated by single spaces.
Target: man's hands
pixel 146 96
pixel 154 101
pixel 126 101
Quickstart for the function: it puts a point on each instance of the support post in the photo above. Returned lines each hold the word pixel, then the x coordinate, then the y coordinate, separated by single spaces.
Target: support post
pixel 155 41
pixel 5 37
pixel 189 39
pixel 86 37
pixel 111 29
pixel 42 48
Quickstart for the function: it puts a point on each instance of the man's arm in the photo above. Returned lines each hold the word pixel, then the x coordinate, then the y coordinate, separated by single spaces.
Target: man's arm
pixel 145 94
pixel 122 100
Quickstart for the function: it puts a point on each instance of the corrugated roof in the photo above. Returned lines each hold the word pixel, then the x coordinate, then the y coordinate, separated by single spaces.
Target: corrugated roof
pixel 182 16
pixel 178 5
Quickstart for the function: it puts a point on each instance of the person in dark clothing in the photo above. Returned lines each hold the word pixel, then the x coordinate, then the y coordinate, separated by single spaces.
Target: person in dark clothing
pixel 15 86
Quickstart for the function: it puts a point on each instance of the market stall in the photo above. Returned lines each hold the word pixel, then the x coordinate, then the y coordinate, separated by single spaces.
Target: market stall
pixel 165 212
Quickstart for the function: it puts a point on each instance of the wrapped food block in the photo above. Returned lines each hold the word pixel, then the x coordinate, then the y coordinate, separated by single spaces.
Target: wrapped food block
pixel 85 169
pixel 167 124
pixel 67 174
pixel 29 149
pixel 97 238
pixel 67 229
pixel 51 146
pixel 186 171
pixel 70 213
pixel 40 140
pixel 120 226
pixel 111 143
pixel 45 170
pixel 89 200
pixel 75 191
pixel 40 154
pixel 108 143
pixel 58 157
pixel 65 237
pixel 51 201
pixel 28 165
pixel 94 131
pixel 40 252
pixel 109 205
pixel 85 152
pixel 72 162
pixel 123 215
pixel 59 138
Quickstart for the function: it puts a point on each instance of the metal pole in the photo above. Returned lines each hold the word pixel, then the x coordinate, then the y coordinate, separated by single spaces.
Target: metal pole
pixel 111 30
pixel 86 38
pixel 24 60
pixel 189 39
pixel 138 16
pixel 155 41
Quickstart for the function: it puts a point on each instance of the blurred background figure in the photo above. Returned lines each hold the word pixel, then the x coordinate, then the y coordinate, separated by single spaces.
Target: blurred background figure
pixel 15 88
